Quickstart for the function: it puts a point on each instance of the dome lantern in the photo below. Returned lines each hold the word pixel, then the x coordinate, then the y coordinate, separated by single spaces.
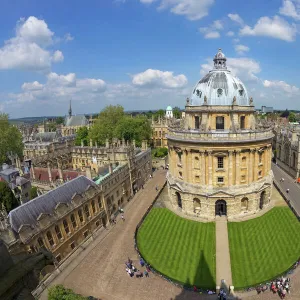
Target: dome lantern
pixel 220 61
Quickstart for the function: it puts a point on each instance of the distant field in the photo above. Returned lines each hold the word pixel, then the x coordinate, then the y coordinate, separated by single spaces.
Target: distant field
pixel 181 249
pixel 262 248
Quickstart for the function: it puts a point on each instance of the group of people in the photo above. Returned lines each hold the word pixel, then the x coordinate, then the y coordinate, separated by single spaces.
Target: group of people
pixel 282 180
pixel 281 286
pixel 132 271
pixel 222 295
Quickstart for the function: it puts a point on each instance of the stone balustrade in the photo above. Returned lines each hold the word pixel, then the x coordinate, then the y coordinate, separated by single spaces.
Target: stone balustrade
pixel 218 136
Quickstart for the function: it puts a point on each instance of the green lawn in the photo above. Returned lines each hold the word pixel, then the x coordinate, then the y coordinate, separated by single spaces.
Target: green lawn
pixel 181 249
pixel 262 248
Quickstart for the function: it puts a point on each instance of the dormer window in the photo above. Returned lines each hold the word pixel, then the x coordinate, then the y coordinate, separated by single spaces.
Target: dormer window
pixel 220 92
pixel 241 92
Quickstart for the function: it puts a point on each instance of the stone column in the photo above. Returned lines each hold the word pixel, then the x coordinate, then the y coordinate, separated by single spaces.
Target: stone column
pixel 255 165
pixel 210 168
pixel 60 172
pixel 202 157
pixel 49 171
pixel 230 165
pixel 266 161
pixel 237 167
pixel 186 165
pixel 250 166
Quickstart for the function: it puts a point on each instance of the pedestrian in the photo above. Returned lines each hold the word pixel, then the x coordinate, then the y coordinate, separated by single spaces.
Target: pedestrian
pixel 146 273
pixel 150 176
pixel 142 186
pixel 282 179
pixel 156 188
pixel 122 217
pixel 287 191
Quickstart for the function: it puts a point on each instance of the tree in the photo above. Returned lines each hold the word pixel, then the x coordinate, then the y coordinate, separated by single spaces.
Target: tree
pixel 10 139
pixel 285 114
pixel 292 117
pixel 82 135
pixel 59 120
pixel 160 152
pixel 130 129
pixel 160 113
pixel 105 125
pixel 33 192
pixel 52 126
pixel 59 292
pixel 7 197
pixel 176 112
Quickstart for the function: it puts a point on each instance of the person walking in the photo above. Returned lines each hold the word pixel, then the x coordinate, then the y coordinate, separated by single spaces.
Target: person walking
pixel 156 188
pixel 287 191
pixel 122 217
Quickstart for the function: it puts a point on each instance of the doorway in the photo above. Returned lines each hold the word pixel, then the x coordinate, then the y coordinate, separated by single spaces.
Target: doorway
pixel 179 202
pixel 262 199
pixel 221 208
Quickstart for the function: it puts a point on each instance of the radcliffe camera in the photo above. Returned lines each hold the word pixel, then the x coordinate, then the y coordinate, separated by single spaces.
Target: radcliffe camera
pixel 149 149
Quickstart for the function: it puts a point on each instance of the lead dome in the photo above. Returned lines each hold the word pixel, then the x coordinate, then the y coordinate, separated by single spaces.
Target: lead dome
pixel 219 86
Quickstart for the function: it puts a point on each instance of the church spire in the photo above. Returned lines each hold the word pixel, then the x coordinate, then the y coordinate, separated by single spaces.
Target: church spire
pixel 70 110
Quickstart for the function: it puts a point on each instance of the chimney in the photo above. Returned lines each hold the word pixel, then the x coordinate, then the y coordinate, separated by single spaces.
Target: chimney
pixel 144 145
pixel 133 143
pixel 96 144
pixel 88 172
pixel 107 143
pixel 91 143
pixel 110 168
pixel 82 143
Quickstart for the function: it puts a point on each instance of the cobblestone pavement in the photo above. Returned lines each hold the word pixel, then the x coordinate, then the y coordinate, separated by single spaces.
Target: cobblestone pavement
pixel 100 270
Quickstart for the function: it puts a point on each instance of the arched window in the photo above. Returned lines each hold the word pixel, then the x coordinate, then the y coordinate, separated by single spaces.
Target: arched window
pixel 242 122
pixel 244 204
pixel 41 242
pixel 197 205
pixel 99 203
pixel 197 164
pixel 58 232
pixel 93 206
pixel 294 161
pixel 86 211
pixel 50 238
pixel 73 220
pixel 220 123
pixel 244 160
pixel 66 226
pixel 197 122
pixel 80 215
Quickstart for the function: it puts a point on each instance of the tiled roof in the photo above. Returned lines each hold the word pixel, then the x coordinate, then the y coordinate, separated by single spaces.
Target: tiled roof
pixel 27 213
pixel 76 121
pixel 43 175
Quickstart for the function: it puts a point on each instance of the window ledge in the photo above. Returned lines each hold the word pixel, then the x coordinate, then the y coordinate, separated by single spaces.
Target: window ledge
pixel 220 170
pixel 220 183
pixel 179 165
pixel 260 164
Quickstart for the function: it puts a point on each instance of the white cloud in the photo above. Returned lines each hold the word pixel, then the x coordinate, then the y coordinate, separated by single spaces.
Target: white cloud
pixel 245 68
pixel 68 37
pixel 55 79
pixel 212 32
pixel 236 40
pixel 241 49
pixel 159 79
pixel 230 33
pixel 191 9
pixel 236 18
pixel 281 85
pixel 27 50
pixel 277 28
pixel 57 56
pixel 93 85
pixel 32 86
pixel 290 8
pixel 35 31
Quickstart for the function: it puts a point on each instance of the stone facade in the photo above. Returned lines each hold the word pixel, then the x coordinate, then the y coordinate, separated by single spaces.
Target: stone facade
pixel 219 158
pixel 287 147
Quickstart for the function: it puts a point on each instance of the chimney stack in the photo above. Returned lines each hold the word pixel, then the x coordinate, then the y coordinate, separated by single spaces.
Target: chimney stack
pixel 107 143
pixel 91 143
pixel 110 168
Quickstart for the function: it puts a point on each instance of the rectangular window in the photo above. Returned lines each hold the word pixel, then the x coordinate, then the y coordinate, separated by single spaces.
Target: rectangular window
pixel 58 232
pixel 220 123
pixel 242 122
pixel 220 162
pixel 220 179
pixel 58 258
pixel 197 178
pixel 117 193
pixel 50 238
pixel 98 223
pixel 243 178
pixel 72 245
pixel 93 206
pixel 180 174
pixel 99 203
pixel 86 211
pixel 86 234
pixel 197 122
pixel 260 157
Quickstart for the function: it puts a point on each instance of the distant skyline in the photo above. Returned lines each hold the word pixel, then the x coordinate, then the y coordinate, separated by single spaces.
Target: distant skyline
pixel 142 54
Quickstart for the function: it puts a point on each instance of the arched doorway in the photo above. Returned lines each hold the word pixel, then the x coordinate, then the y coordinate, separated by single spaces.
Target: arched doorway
pixel 221 208
pixel 262 200
pixel 244 204
pixel 197 205
pixel 179 202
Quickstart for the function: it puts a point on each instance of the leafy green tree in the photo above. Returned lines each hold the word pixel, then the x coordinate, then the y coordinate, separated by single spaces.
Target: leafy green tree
pixel 160 152
pixel 59 292
pixel 33 192
pixel 82 135
pixel 10 139
pixel 52 126
pixel 59 120
pixel 292 117
pixel 7 197
pixel 176 112
pixel 137 129
pixel 105 125
pixel 285 114
pixel 160 113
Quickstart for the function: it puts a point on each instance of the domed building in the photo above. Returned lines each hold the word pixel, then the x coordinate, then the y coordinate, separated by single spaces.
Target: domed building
pixel 219 158
pixel 169 112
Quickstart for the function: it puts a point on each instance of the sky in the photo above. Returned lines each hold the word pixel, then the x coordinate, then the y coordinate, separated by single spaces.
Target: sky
pixel 142 54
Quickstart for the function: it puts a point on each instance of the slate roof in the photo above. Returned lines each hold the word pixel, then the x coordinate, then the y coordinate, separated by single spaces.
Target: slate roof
pixel 76 121
pixel 27 213
pixel 45 136
pixel 43 175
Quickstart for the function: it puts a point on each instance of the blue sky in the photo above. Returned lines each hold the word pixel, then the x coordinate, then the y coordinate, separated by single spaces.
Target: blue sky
pixel 142 54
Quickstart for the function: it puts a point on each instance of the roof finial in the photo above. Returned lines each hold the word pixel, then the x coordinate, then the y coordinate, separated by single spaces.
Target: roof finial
pixel 220 60
pixel 70 110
